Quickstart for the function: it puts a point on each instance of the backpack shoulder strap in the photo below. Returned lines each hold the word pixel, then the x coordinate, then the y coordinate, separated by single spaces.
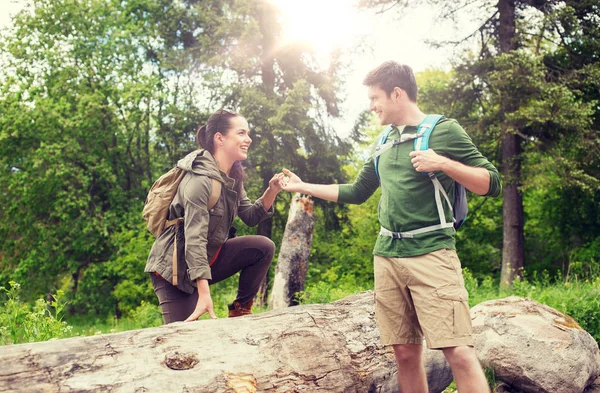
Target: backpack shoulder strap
pixel 425 128
pixel 381 139
pixel 215 194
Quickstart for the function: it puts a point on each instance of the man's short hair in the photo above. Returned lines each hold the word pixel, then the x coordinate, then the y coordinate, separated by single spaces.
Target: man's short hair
pixel 390 75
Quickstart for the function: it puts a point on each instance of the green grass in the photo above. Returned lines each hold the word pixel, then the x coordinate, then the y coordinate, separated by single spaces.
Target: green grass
pixel 148 314
pixel 43 320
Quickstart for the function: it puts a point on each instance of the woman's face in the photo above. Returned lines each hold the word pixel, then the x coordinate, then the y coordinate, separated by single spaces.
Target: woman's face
pixel 237 140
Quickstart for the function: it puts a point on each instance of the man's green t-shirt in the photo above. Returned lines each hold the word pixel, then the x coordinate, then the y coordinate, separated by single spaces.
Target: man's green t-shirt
pixel 407 196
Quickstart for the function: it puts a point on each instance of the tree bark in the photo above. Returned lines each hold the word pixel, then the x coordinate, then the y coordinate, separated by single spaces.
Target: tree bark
pixel 310 348
pixel 313 348
pixel 507 26
pixel 513 248
pixel 292 263
pixel 268 29
pixel 265 228
pixel 513 254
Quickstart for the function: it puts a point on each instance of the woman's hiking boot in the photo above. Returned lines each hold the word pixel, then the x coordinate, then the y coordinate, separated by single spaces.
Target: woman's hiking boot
pixel 236 309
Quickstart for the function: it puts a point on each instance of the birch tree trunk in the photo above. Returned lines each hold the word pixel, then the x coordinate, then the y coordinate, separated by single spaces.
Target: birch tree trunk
pixel 292 263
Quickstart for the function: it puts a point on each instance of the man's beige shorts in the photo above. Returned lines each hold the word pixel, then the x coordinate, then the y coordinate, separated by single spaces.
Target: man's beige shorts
pixel 422 296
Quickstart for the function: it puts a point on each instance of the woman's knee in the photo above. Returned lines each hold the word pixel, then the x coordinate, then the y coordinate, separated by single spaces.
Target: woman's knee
pixel 267 246
pixel 270 247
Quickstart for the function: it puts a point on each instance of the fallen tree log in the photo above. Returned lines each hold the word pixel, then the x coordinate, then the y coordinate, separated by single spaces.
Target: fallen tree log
pixel 310 348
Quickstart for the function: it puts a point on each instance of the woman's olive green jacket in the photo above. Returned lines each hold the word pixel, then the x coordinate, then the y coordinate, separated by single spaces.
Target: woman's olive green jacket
pixel 202 232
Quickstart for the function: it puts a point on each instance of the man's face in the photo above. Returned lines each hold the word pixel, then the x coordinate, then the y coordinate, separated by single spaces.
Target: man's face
pixel 383 105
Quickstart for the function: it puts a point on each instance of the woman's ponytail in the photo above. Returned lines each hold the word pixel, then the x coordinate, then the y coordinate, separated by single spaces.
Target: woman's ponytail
pixel 220 122
pixel 201 137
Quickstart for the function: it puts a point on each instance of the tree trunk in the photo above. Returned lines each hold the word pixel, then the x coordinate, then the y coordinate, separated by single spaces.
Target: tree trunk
pixel 513 253
pixel 265 228
pixel 313 348
pixel 507 26
pixel 292 263
pixel 310 348
pixel 513 250
pixel 268 29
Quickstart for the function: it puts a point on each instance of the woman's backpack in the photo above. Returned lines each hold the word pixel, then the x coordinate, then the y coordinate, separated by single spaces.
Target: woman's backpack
pixel 160 196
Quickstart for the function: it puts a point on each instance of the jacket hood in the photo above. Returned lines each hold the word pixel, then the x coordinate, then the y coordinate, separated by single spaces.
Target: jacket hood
pixel 201 162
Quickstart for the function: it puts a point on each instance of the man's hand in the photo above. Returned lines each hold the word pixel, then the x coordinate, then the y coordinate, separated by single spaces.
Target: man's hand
pixel 291 182
pixel 427 160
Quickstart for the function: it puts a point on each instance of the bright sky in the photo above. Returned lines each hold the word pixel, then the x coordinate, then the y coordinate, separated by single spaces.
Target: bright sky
pixel 8 8
pixel 327 24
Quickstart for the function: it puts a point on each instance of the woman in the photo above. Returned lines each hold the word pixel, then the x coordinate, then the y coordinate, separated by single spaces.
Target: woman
pixel 205 255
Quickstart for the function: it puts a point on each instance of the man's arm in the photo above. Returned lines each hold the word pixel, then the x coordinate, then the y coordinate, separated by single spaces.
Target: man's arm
pixel 293 183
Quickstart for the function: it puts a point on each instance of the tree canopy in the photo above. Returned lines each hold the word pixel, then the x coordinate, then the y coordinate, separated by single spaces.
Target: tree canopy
pixel 98 99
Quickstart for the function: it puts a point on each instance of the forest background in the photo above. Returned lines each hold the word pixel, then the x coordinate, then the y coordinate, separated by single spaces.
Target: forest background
pixel 99 98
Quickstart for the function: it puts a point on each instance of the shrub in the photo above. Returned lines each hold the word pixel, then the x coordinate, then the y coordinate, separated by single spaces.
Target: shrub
pixel 22 323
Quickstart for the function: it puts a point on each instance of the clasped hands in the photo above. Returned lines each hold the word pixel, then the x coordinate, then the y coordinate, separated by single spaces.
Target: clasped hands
pixel 286 180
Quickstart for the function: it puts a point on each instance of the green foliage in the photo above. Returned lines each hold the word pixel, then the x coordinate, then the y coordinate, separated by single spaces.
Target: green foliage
pixel 479 239
pixel 98 99
pixel 147 315
pixel 347 253
pixel 22 323
pixel 327 292
pixel 76 132
pixel 119 285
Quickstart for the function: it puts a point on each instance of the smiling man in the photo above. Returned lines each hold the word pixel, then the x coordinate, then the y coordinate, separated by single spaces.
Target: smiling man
pixel 419 288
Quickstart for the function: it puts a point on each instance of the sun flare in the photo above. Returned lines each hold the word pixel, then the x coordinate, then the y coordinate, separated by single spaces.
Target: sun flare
pixel 323 25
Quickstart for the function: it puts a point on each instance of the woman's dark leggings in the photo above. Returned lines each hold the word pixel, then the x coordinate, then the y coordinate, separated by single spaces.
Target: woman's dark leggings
pixel 252 255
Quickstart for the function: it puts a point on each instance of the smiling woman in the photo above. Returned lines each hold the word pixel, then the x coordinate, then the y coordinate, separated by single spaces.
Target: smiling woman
pixel 322 25
pixel 197 249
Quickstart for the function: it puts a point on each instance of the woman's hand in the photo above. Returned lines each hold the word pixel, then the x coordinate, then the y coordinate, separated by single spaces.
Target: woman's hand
pixel 274 188
pixel 276 182
pixel 205 303
pixel 292 183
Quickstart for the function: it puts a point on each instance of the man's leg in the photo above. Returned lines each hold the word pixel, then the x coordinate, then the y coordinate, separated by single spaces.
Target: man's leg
pixel 468 374
pixel 398 323
pixel 411 373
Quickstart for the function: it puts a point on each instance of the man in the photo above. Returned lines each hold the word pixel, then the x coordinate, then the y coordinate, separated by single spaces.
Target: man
pixel 419 288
